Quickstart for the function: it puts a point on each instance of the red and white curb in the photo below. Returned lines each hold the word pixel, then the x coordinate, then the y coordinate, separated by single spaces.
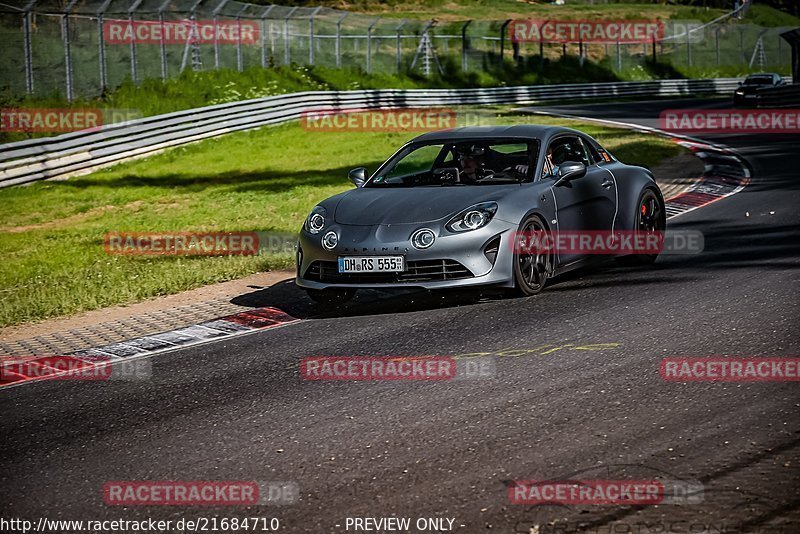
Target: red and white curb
pixel 725 175
pixel 14 373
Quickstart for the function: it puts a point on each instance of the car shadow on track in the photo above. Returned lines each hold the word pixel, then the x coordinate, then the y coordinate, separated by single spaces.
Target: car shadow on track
pixel 289 298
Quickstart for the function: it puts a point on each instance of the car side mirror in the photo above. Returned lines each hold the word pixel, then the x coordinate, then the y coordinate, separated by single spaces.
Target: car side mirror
pixel 739 84
pixel 570 170
pixel 358 176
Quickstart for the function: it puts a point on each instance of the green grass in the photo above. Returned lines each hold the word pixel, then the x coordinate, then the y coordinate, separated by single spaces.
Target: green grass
pixel 770 17
pixel 51 233
pixel 447 10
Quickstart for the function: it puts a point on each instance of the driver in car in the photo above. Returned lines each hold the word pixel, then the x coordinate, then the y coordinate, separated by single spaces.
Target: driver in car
pixel 471 160
pixel 473 164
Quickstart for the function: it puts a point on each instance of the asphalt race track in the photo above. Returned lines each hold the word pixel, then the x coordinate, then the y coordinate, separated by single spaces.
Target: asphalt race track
pixel 576 392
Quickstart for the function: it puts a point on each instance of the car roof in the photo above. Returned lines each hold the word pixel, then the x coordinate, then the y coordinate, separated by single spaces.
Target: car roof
pixel 527 131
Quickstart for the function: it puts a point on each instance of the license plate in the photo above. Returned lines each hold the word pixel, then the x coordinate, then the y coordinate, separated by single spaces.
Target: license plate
pixel 371 264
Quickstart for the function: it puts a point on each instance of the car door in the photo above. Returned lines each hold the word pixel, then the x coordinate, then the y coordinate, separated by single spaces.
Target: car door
pixel 588 203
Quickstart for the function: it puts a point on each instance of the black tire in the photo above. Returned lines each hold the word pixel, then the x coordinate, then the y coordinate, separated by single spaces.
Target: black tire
pixel 651 216
pixel 331 296
pixel 531 268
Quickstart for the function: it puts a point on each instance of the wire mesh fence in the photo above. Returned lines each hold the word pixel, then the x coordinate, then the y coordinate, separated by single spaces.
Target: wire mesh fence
pixel 80 48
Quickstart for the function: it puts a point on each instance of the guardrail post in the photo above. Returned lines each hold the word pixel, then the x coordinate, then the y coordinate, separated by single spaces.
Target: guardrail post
pixel 215 13
pixel 369 44
pixel 264 35
pixel 464 46
pixel 26 36
pixel 311 35
pixel 619 56
pixel 287 55
pixel 688 47
pixel 339 40
pixel 716 46
pixel 397 52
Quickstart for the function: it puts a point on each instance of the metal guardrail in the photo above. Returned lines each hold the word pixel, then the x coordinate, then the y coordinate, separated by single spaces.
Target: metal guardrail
pixel 85 151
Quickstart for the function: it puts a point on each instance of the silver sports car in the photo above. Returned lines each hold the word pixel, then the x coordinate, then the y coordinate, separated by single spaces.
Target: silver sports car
pixel 445 210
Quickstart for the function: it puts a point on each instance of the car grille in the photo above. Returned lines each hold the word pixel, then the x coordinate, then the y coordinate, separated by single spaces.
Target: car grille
pixel 416 271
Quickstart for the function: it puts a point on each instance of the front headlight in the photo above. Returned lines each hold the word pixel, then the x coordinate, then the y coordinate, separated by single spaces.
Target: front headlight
pixel 740 92
pixel 315 221
pixel 472 218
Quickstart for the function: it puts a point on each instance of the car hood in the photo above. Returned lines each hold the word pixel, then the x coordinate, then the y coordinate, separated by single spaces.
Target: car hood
pixel 395 205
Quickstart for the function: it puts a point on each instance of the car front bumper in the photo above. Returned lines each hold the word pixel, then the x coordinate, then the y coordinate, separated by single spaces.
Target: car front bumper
pixel 454 260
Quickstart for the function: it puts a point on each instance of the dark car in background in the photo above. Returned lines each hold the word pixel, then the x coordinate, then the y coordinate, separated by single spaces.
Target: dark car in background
pixel 747 92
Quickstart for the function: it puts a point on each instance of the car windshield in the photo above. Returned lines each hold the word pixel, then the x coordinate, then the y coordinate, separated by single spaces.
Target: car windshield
pixel 459 163
pixel 758 80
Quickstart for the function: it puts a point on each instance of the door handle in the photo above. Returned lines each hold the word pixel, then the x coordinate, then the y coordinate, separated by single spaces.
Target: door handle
pixel 608 184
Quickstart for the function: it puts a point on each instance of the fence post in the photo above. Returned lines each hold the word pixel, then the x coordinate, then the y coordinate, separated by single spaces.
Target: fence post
pixel 287 55
pixel 741 46
pixel 541 54
pixel 338 45
pixel 264 35
pixel 464 55
pixel 369 44
pixel 163 44
pixel 131 11
pixel 398 53
pixel 26 35
pixel 503 38
pixel 311 35
pixel 580 52
pixel 619 56
pixel 655 57
pixel 239 59
pixel 716 46
pixel 215 13
pixel 67 51
pixel 688 47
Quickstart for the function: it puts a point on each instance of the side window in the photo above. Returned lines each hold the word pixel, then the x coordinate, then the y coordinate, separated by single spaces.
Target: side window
pixel 567 148
pixel 594 155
